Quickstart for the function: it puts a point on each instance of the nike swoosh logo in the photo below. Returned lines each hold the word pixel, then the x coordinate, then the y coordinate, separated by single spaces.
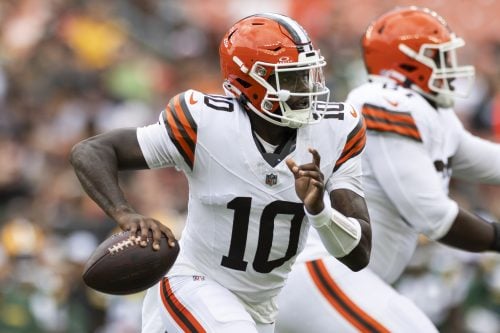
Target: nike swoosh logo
pixel 354 113
pixel 192 100
pixel 395 104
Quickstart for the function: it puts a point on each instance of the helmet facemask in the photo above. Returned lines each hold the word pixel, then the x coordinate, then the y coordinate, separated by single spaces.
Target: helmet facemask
pixel 448 79
pixel 295 87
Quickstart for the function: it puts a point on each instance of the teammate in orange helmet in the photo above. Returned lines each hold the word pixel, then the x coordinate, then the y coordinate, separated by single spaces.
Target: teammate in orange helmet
pixel 256 167
pixel 415 143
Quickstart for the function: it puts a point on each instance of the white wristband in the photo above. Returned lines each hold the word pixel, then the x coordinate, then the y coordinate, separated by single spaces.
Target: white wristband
pixel 339 234
pixel 322 218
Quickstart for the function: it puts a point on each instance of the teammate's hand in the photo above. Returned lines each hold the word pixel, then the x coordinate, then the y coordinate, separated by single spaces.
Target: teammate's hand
pixel 309 182
pixel 140 225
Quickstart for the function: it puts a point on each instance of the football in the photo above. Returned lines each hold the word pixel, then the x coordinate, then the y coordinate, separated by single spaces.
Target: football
pixel 120 266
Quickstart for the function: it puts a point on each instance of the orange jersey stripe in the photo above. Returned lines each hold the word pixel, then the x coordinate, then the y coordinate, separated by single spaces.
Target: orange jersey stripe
pixel 358 133
pixel 186 124
pixel 182 316
pixel 356 150
pixel 340 301
pixel 404 131
pixel 389 115
pixel 178 136
pixel 355 144
pixel 383 120
pixel 182 128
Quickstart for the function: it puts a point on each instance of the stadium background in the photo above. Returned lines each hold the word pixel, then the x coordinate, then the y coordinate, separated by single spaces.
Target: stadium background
pixel 70 69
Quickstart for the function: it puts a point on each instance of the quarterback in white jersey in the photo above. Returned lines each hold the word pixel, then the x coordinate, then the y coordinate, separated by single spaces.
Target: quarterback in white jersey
pixel 415 143
pixel 258 162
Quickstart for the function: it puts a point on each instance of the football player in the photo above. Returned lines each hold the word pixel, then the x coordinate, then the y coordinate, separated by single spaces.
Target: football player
pixel 263 162
pixel 415 143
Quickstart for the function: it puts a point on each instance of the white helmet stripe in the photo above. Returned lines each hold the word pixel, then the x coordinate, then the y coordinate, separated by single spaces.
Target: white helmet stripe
pixel 296 31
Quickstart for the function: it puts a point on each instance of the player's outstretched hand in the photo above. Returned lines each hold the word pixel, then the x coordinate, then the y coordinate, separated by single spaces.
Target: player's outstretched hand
pixel 309 182
pixel 140 225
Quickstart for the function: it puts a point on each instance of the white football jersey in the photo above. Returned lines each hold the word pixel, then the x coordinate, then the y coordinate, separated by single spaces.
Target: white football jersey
pixel 245 223
pixel 406 170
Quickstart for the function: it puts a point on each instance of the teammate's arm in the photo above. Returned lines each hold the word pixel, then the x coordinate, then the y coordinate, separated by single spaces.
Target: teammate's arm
pixel 476 160
pixel 343 236
pixel 97 161
pixel 408 177
pixel 471 233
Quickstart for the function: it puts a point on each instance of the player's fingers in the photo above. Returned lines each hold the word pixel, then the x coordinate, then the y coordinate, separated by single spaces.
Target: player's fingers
pixel 144 233
pixel 132 228
pixel 155 229
pixel 162 229
pixel 318 184
pixel 294 168
pixel 316 175
pixel 290 163
pixel 309 167
pixel 170 236
pixel 316 157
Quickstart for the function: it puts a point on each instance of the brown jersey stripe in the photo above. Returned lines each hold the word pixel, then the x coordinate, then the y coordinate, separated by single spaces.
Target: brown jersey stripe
pixel 340 301
pixel 182 316
pixel 355 144
pixel 383 120
pixel 355 151
pixel 181 128
pixel 356 134
pixel 393 116
pixel 185 117
pixel 404 131
pixel 387 121
pixel 176 137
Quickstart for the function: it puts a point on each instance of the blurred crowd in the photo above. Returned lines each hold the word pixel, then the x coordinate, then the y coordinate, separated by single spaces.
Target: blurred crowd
pixel 70 69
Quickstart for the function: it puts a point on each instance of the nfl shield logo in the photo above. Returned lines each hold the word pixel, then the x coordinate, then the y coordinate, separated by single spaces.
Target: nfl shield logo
pixel 271 179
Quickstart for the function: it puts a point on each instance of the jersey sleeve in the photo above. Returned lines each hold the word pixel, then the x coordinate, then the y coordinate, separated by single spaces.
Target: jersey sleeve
pixel 407 176
pixel 347 171
pixel 356 139
pixel 172 141
pixel 348 176
pixel 476 159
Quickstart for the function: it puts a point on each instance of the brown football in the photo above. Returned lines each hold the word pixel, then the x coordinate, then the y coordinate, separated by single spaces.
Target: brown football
pixel 120 266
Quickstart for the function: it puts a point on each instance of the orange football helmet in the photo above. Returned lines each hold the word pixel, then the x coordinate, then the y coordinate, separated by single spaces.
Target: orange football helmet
pixel 269 63
pixel 416 47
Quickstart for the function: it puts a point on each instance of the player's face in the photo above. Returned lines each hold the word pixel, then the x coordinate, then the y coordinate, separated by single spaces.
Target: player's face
pixel 295 82
pixel 442 62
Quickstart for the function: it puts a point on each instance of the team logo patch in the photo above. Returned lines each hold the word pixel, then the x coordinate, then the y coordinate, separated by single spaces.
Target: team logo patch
pixel 271 179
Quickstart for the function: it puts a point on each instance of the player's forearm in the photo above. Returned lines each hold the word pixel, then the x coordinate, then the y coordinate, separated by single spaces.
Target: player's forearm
pixel 359 257
pixel 96 167
pixel 471 233
pixel 347 239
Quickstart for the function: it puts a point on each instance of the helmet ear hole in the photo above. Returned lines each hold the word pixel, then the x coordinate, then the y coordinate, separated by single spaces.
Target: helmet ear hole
pixel 407 67
pixel 244 83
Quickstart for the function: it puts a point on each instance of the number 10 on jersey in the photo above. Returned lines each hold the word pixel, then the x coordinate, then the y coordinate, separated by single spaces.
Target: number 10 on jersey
pixel 241 220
